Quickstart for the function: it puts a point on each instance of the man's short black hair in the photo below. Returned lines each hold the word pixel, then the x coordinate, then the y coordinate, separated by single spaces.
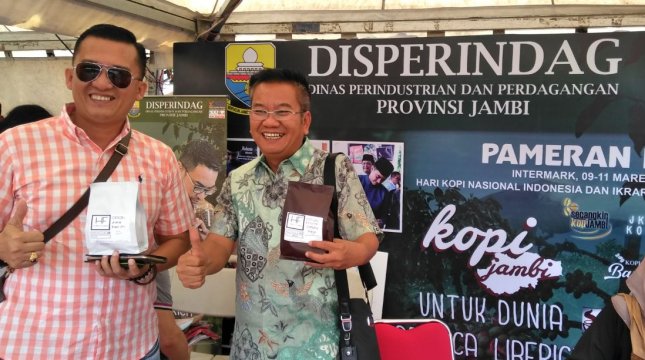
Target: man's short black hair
pixel 384 166
pixel 284 76
pixel 199 152
pixel 368 157
pixel 114 33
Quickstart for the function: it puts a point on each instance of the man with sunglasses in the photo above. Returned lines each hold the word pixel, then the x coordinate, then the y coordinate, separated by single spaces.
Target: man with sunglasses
pixel 199 166
pixel 57 305
pixel 285 309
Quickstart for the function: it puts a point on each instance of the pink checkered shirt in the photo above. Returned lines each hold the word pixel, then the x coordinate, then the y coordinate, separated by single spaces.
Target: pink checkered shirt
pixel 61 308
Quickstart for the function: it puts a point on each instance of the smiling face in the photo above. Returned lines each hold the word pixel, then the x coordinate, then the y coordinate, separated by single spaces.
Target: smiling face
pixel 98 102
pixel 367 166
pixel 278 139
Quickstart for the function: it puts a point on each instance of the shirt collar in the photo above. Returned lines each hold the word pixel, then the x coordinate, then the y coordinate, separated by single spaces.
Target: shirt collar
pixel 299 160
pixel 76 133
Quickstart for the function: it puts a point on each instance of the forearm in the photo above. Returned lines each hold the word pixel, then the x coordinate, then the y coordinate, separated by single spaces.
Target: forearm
pixel 218 249
pixel 171 247
pixel 343 254
pixel 368 245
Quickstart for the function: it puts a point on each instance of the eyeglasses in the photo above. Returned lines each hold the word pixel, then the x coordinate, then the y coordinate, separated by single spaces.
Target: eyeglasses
pixel 260 114
pixel 199 188
pixel 89 71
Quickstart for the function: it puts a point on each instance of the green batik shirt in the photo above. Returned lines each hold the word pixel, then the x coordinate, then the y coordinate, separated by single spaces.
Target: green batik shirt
pixel 284 309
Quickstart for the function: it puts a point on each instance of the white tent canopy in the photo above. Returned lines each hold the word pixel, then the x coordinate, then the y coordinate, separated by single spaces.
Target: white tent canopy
pixel 160 23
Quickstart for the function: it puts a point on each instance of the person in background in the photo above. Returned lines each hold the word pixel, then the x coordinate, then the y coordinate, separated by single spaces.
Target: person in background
pixel 618 332
pixel 377 194
pixel 368 163
pixel 281 310
pixel 230 157
pixel 23 114
pixel 57 305
pixel 393 184
pixel 199 168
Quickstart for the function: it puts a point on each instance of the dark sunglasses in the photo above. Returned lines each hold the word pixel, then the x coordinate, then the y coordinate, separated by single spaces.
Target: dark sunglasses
pixel 89 71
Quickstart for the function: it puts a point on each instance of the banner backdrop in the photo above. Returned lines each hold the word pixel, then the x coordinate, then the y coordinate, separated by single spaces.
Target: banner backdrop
pixel 522 205
pixel 176 120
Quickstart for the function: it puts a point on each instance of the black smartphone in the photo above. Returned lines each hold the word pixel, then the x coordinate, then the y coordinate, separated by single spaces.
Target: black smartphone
pixel 140 259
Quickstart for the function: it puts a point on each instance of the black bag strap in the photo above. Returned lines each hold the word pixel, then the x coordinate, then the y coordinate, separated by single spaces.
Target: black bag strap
pixel 367 275
pixel 120 150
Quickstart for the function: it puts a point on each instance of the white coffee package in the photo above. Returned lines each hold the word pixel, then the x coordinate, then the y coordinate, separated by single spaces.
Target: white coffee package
pixel 116 219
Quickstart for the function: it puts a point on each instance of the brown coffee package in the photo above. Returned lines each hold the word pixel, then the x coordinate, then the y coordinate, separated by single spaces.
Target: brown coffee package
pixel 306 216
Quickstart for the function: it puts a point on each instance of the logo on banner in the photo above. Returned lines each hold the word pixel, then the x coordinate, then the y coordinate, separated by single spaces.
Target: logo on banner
pixel 215 110
pixel 588 317
pixel 135 111
pixel 586 225
pixel 512 268
pixel 507 275
pixel 621 269
pixel 242 61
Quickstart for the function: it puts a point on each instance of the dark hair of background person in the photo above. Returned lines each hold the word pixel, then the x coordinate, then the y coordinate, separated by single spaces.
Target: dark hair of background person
pixel 23 114
pixel 284 75
pixel 199 152
pixel 114 33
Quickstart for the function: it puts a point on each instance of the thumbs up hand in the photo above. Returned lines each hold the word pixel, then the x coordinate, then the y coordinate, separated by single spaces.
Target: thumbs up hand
pixel 20 248
pixel 191 267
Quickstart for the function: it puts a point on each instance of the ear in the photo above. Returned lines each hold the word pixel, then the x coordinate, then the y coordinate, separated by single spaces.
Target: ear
pixel 142 89
pixel 306 122
pixel 69 77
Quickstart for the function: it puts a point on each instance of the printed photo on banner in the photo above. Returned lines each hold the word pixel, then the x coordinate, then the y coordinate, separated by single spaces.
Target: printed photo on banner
pixel 380 169
pixel 239 151
pixel 179 121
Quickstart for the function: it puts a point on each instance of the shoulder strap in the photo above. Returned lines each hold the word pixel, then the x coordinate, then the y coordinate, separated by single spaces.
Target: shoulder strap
pixel 365 270
pixel 120 150
pixel 342 286
pixel 329 178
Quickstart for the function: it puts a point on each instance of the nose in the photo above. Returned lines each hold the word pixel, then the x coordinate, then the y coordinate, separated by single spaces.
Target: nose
pixel 271 117
pixel 102 81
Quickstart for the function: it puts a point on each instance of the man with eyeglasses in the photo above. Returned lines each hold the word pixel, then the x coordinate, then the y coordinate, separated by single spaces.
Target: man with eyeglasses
pixel 285 309
pixel 199 166
pixel 58 306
